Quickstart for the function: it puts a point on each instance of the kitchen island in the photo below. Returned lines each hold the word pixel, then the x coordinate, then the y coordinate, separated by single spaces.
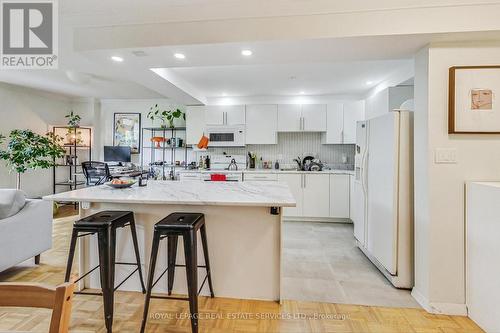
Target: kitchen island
pixel 243 222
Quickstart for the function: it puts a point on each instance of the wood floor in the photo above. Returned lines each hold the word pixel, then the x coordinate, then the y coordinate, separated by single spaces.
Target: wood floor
pixel 217 315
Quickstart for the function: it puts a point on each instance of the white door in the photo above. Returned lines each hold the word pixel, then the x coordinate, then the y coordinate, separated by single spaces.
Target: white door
pixel 294 182
pixel 334 123
pixel 214 115
pixel 235 114
pixel 316 195
pixel 339 196
pixel 314 117
pixel 383 150
pixel 289 118
pixel 195 124
pixel 261 124
pixel 353 112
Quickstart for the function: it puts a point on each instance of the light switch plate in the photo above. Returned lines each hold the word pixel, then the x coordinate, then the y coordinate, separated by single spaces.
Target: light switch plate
pixel 445 156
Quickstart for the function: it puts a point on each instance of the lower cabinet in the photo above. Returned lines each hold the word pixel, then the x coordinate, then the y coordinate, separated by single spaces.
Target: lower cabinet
pixel 294 182
pixel 318 195
pixel 316 192
pixel 339 196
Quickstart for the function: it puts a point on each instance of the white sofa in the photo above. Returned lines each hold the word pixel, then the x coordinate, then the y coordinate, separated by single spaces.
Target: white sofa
pixel 25 228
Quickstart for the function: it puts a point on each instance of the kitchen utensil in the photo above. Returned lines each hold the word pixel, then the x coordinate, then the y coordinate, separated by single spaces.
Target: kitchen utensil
pixel 203 143
pixel 305 161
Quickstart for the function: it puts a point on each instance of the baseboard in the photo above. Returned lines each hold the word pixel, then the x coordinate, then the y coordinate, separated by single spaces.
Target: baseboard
pixel 454 309
pixel 316 219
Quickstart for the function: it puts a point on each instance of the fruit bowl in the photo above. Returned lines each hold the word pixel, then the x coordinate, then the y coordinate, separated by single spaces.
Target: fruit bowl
pixel 119 183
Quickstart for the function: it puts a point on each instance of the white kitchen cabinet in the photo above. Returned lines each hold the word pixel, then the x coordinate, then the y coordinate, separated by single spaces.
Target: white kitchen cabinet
pixel 334 124
pixel 341 122
pixel 225 115
pixel 260 176
pixel 235 115
pixel 301 118
pixel 314 118
pixel 214 115
pixel 289 118
pixel 294 182
pixel 316 195
pixel 353 112
pixel 195 124
pixel 261 124
pixel 339 196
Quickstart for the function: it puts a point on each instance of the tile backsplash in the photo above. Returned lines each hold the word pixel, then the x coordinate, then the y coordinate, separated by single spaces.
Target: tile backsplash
pixel 291 145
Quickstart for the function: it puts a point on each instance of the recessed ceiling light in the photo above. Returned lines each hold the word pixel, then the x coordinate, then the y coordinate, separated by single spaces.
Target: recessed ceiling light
pixel 179 56
pixel 246 53
pixel 224 94
pixel 302 93
pixel 117 58
pixel 369 82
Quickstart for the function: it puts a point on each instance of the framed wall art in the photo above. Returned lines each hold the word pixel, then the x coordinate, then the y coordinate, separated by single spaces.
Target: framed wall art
pixel 473 104
pixel 127 131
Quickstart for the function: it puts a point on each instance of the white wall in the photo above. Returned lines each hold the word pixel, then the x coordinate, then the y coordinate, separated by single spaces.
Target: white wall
pixel 24 108
pixel 111 106
pixel 387 100
pixel 440 258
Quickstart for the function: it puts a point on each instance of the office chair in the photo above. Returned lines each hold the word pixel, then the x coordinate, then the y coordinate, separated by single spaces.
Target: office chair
pixel 96 173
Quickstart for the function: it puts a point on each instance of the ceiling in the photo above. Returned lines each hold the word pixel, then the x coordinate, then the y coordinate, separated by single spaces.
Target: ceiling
pixel 346 78
pixel 320 66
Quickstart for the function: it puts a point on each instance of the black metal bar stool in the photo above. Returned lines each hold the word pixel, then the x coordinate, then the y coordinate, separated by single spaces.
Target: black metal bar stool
pixel 171 227
pixel 105 224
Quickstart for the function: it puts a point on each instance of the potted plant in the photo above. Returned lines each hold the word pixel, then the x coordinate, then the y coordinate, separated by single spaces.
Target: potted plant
pixel 73 135
pixel 28 150
pixel 73 119
pixel 165 116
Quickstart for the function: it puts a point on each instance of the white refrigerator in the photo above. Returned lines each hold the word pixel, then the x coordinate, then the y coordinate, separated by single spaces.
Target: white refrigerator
pixel 383 199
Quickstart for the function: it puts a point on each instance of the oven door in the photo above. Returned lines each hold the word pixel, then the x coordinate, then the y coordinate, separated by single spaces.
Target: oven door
pixel 226 136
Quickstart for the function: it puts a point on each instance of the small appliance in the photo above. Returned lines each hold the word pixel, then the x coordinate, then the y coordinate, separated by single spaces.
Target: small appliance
pixel 226 136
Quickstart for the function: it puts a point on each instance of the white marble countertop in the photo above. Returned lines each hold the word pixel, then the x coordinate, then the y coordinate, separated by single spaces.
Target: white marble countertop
pixel 270 171
pixel 264 194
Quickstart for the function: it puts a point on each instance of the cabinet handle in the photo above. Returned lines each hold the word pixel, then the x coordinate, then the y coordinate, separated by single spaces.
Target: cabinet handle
pixel 303 123
pixel 304 181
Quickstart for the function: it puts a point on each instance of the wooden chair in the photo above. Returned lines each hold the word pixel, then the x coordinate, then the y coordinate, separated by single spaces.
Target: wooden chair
pixel 38 296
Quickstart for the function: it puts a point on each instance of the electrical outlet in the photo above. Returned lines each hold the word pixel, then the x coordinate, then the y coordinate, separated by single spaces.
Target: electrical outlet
pixel 85 205
pixel 445 156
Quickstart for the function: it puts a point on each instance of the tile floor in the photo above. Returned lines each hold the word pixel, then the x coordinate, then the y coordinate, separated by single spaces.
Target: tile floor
pixel 322 263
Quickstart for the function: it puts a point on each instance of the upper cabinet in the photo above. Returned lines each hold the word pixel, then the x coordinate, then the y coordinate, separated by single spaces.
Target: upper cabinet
pixel 297 118
pixel 261 124
pixel 225 115
pixel 314 118
pixel 195 124
pixel 341 122
pixel 289 118
pixel 353 112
